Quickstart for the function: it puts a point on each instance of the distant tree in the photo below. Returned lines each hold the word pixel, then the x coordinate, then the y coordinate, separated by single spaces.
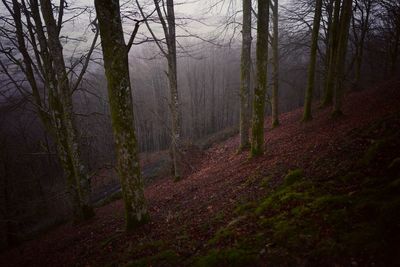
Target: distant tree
pixel 390 30
pixel 333 41
pixel 361 26
pixel 257 140
pixel 166 15
pixel 275 65
pixel 245 70
pixel 115 56
pixel 313 60
pixel 345 19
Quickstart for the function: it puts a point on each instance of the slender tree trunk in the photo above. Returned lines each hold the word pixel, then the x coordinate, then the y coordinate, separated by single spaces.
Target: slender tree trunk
pixel 313 60
pixel 329 10
pixel 360 45
pixel 116 67
pixel 245 77
pixel 333 43
pixel 176 119
pixel 65 128
pixel 257 141
pixel 345 19
pixel 275 70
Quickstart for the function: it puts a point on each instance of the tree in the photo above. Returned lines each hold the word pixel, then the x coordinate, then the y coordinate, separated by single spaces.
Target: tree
pixel 245 70
pixel 391 30
pixel 275 66
pixel 115 56
pixel 313 59
pixel 50 90
pixel 331 57
pixel 361 25
pixel 345 19
pixel 166 16
pixel 257 140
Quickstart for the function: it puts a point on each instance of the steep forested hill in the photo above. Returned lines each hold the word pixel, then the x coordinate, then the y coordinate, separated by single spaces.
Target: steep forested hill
pixel 325 193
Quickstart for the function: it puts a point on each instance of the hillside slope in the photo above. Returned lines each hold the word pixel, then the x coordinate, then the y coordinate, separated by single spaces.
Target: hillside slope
pixel 235 211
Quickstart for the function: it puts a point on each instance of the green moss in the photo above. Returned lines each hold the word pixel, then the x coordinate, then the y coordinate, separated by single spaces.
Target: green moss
pixel 289 197
pixel 246 207
pixel 221 235
pixel 330 202
pixel 227 257
pixel 293 176
pixel 265 182
pixel 300 211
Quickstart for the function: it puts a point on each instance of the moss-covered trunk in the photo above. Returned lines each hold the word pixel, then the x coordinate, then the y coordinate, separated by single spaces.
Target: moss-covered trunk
pixel 116 66
pixel 65 132
pixel 333 44
pixel 245 70
pixel 313 60
pixel 275 70
pixel 257 140
pixel 345 19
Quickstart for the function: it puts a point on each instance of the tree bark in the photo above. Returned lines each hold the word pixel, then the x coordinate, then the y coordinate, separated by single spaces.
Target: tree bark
pixel 275 70
pixel 115 55
pixel 245 77
pixel 333 44
pixel 257 141
pixel 345 19
pixel 63 124
pixel 313 60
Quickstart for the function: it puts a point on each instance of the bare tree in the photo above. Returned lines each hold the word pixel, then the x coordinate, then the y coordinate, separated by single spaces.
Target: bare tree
pixel 275 64
pixel 313 59
pixel 50 88
pixel 245 76
pixel 166 15
pixel 345 19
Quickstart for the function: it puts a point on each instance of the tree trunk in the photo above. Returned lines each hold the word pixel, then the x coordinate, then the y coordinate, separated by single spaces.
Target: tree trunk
pixel 65 126
pixel 313 60
pixel 345 19
pixel 245 77
pixel 360 46
pixel 333 43
pixel 275 71
pixel 116 67
pixel 257 141
pixel 176 118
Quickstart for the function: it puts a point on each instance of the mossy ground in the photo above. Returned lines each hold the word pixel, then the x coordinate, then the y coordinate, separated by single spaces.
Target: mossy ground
pixel 349 218
pixel 344 220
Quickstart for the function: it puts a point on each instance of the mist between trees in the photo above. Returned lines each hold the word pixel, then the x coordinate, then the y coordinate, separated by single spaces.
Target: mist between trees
pixel 34 193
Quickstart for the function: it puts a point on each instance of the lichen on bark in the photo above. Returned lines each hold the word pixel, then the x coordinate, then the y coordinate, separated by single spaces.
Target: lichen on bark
pixel 115 55
pixel 257 140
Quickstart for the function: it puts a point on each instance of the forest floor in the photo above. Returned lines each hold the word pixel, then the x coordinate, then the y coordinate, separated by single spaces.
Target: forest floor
pixel 325 193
